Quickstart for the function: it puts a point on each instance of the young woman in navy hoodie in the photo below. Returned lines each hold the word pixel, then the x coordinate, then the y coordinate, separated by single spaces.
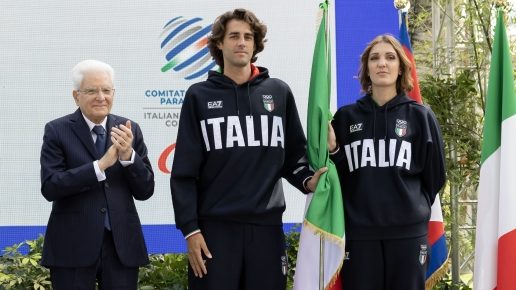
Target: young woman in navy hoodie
pixel 389 154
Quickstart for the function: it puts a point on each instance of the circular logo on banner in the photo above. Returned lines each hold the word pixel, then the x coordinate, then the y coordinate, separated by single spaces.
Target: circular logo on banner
pixel 184 44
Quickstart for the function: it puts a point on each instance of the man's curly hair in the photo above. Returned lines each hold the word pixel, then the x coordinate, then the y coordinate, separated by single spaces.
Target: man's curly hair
pixel 218 32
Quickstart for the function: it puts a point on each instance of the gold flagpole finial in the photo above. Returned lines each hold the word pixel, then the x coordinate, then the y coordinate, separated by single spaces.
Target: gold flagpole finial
pixel 403 5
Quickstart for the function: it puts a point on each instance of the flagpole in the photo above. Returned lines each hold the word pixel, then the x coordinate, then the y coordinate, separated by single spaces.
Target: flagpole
pixel 321 242
pixel 321 263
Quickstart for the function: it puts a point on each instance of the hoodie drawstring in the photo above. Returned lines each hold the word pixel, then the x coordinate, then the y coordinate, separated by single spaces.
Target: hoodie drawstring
pixel 249 98
pixel 386 108
pixel 385 122
pixel 374 122
pixel 236 98
pixel 250 113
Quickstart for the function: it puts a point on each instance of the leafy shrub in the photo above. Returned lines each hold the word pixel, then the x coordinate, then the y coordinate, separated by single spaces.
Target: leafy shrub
pixel 19 271
pixel 165 271
pixel 447 284
pixel 292 241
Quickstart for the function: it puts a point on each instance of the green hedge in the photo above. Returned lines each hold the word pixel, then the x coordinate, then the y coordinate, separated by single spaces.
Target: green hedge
pixel 165 272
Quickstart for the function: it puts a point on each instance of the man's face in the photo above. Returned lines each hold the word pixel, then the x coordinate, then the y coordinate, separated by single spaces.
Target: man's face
pixel 95 97
pixel 238 44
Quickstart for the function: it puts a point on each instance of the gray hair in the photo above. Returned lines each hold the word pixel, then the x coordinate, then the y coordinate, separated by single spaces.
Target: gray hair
pixel 88 66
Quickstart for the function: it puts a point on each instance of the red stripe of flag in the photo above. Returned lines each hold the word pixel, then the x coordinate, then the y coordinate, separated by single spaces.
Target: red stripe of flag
pixel 506 258
pixel 435 231
pixel 415 94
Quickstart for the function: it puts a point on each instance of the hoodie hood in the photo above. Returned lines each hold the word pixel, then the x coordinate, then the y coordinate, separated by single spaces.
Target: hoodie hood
pixel 258 74
pixel 367 104
pixel 219 79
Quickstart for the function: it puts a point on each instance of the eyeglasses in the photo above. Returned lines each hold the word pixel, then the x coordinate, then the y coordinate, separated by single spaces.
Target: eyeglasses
pixel 94 92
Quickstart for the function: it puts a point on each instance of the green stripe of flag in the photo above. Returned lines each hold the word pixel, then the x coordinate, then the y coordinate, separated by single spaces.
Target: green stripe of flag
pixel 325 211
pixel 501 99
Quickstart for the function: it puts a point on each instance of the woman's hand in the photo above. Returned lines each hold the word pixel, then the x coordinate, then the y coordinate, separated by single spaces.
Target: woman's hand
pixel 332 140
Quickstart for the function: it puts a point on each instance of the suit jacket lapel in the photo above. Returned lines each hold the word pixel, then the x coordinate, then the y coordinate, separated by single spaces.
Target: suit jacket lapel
pixel 81 129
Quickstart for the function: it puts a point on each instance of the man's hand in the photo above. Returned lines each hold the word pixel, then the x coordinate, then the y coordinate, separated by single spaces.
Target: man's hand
pixel 109 158
pixel 122 138
pixel 196 247
pixel 311 185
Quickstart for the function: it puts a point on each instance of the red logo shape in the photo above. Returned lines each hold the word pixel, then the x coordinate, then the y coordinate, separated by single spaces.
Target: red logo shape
pixel 162 161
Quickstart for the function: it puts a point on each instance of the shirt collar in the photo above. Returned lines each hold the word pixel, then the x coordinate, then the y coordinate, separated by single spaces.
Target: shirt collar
pixel 91 124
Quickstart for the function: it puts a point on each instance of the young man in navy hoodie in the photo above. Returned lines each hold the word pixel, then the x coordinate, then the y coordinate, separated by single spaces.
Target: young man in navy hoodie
pixel 239 134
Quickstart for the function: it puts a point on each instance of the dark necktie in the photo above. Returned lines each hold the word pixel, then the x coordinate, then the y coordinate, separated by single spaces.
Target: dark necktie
pixel 100 144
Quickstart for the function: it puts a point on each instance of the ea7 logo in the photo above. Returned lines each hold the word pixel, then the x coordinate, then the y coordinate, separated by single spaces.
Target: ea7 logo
pixel 355 128
pixel 215 105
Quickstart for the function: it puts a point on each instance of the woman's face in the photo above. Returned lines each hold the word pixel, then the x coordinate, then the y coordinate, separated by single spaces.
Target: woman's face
pixel 383 65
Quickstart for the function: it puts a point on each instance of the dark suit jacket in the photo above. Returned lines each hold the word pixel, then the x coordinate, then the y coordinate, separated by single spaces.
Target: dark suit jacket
pixel 79 201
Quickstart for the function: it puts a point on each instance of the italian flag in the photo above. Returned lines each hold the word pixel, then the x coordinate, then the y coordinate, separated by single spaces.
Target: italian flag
pixel 495 253
pixel 321 246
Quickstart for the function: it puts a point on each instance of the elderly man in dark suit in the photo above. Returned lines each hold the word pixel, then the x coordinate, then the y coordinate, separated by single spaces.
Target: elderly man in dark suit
pixel 93 164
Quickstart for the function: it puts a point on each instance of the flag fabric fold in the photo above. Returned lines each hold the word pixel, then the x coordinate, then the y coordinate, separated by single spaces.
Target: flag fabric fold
pixel 438 262
pixel 495 245
pixel 324 215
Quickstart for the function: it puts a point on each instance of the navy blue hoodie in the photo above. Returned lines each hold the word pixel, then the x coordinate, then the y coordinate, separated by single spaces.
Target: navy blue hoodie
pixel 391 166
pixel 234 144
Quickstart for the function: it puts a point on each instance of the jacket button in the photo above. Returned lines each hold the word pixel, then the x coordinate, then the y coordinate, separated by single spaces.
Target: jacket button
pixel 103 210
